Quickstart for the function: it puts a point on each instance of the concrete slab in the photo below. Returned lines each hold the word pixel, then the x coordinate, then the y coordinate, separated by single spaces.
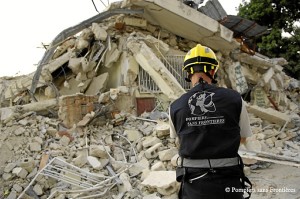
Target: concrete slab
pixel 131 70
pixel 97 85
pixel 260 97
pixel 187 22
pixel 75 87
pixel 271 115
pixel 99 32
pixel 268 75
pixel 237 78
pixel 58 62
pixel 253 60
pixel 112 55
pixel 163 181
pixel 156 69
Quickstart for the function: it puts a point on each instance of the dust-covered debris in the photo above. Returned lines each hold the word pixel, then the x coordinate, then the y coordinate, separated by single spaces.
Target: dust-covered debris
pixel 100 108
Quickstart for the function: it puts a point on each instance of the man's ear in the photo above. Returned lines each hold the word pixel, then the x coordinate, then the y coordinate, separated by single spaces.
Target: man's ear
pixel 188 78
pixel 212 73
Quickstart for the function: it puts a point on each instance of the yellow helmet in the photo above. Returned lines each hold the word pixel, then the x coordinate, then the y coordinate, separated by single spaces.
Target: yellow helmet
pixel 200 59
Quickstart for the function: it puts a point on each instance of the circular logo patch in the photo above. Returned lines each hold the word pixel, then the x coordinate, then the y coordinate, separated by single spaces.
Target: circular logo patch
pixel 201 103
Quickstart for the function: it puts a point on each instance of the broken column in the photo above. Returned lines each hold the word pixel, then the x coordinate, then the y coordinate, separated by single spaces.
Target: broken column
pixel 156 69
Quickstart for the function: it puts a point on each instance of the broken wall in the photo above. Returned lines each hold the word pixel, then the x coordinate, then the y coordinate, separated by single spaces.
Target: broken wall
pixel 95 76
pixel 112 53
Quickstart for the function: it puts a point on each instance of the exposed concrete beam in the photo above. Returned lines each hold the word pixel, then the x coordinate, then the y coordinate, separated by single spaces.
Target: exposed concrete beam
pixel 58 62
pixel 271 115
pixel 41 106
pixel 156 69
pixel 253 60
pixel 186 22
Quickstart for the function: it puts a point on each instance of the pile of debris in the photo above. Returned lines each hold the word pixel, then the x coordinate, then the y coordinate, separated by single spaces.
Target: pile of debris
pixel 105 155
pixel 92 120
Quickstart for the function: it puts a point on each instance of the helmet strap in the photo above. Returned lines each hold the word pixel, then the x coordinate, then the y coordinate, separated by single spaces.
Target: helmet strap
pixel 201 80
pixel 192 71
pixel 211 77
pixel 188 78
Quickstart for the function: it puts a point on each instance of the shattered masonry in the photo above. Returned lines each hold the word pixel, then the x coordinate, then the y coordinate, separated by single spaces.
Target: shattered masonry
pixel 82 118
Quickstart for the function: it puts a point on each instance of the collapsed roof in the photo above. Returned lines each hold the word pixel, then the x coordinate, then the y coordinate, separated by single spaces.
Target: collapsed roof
pixel 241 27
pixel 130 57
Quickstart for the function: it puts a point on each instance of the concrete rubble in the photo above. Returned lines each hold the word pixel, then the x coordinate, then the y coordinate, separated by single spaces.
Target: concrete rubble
pixel 101 105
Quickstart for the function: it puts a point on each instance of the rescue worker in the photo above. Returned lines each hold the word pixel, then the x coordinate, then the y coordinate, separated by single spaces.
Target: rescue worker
pixel 210 123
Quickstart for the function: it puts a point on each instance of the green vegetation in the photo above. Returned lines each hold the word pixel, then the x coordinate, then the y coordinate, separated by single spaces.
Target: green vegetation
pixel 280 16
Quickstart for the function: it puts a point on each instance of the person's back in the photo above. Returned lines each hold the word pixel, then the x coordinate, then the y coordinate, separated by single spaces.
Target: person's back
pixel 207 121
pixel 214 123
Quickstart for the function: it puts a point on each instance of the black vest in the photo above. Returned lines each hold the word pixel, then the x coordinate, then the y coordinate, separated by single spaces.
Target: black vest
pixel 206 120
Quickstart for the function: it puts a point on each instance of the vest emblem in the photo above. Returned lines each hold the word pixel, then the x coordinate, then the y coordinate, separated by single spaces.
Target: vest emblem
pixel 201 103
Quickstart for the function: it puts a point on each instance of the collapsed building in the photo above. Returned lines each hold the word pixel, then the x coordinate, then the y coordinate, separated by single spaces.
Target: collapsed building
pixel 91 121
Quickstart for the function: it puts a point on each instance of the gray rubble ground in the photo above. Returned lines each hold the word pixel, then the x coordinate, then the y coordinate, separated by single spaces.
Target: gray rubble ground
pixel 101 64
pixel 139 142
pixel 278 181
pixel 24 141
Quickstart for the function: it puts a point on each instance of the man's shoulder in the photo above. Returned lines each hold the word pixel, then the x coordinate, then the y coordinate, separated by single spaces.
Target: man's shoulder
pixel 230 91
pixel 181 99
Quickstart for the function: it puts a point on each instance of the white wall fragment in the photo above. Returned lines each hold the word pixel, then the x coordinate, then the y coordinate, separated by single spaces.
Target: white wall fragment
pixel 237 78
pixel 99 32
pixel 268 75
pixel 163 181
